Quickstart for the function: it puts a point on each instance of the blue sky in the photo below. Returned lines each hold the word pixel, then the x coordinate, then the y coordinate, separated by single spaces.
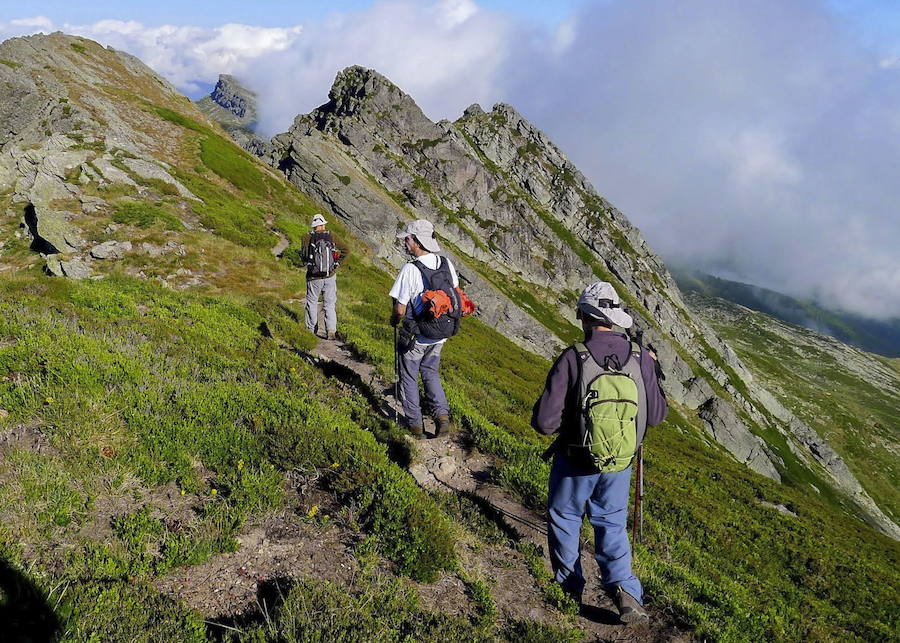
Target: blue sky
pixel 211 13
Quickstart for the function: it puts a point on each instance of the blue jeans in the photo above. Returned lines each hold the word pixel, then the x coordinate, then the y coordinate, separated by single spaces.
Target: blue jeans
pixel 604 496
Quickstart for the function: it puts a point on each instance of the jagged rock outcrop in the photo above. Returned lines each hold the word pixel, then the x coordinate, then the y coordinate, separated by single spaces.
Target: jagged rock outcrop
pixel 234 107
pixel 528 231
pixel 728 430
pixel 230 103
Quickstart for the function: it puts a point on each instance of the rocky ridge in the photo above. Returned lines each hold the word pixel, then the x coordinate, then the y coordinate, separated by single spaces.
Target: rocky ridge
pixel 527 230
pixel 66 141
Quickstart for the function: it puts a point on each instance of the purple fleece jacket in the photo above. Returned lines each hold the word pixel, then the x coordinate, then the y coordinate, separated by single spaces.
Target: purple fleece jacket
pixel 558 405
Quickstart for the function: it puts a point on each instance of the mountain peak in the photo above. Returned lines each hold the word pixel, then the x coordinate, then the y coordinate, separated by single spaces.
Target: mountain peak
pixel 230 103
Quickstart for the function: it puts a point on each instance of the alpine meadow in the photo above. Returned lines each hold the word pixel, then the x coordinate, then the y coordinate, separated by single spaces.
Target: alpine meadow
pixel 182 459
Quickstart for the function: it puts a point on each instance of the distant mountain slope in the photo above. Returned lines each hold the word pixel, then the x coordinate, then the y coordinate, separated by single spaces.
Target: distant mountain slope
pixel 882 337
pixel 851 398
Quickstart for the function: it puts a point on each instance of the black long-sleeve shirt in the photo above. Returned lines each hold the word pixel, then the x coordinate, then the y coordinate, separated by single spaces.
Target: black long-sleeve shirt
pixel 558 406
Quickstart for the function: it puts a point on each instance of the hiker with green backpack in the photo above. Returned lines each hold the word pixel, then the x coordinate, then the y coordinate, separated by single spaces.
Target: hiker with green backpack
pixel 600 396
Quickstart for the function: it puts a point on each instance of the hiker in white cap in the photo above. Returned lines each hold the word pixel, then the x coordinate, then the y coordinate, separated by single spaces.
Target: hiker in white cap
pixel 322 253
pixel 600 397
pixel 422 336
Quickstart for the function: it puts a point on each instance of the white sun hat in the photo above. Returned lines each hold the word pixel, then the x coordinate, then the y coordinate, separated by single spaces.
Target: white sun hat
pixel 601 300
pixel 423 231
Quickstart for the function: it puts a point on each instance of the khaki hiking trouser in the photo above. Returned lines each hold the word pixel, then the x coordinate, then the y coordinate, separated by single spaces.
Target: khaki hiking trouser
pixel 314 289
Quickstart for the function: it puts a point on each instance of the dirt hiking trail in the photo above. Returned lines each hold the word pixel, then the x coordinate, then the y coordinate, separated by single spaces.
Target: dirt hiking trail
pixel 448 463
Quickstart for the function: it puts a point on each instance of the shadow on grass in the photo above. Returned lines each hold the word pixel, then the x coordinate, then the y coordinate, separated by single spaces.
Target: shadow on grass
pixel 24 612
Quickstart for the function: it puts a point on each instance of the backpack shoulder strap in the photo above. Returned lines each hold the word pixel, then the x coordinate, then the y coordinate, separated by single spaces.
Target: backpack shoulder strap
pixel 632 368
pixel 588 369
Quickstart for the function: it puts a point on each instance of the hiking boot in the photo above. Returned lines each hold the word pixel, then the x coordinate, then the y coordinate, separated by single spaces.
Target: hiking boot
pixel 630 611
pixel 417 431
pixel 441 425
pixel 331 335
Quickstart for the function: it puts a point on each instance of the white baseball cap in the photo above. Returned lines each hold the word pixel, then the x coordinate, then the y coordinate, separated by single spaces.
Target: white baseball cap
pixel 600 300
pixel 318 220
pixel 423 231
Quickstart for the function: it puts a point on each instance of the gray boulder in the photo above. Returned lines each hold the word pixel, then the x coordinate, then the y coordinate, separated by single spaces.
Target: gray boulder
pixel 111 250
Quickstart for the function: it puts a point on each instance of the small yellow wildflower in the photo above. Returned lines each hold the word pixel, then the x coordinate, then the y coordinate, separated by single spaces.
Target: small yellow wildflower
pixel 312 511
pixel 335 465
pixel 240 465
pixel 213 492
pixel 49 400
pixel 182 492
pixel 293 369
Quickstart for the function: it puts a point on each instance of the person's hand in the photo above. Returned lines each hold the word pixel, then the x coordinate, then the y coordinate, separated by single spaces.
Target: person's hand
pixel 652 354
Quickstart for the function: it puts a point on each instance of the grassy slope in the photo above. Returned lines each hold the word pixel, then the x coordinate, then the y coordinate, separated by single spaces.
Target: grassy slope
pixel 124 379
pixel 858 418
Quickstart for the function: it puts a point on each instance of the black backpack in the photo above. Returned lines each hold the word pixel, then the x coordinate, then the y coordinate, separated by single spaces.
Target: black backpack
pixel 320 257
pixel 447 324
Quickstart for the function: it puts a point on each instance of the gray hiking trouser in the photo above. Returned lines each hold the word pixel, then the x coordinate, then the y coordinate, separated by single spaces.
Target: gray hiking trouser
pixel 314 288
pixel 424 359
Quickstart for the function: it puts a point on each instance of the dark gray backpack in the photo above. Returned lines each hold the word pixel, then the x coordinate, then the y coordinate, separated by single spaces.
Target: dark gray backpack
pixel 321 260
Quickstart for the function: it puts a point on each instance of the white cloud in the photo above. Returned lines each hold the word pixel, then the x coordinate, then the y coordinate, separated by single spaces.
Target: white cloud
pixel 190 57
pixel 39 22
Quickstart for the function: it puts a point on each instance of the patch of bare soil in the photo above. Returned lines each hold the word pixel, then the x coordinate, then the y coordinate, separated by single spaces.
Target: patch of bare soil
pixel 281 546
pixel 282 243
pixel 26 437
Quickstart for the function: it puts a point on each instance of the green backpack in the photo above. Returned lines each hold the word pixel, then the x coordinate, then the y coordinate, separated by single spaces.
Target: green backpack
pixel 613 410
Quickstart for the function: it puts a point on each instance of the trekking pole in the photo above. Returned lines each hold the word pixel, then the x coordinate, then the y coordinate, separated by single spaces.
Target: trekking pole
pixel 638 518
pixel 396 377
pixel 641 499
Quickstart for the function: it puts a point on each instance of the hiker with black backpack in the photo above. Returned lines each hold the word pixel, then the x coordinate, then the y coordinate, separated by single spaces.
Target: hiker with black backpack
pixel 322 253
pixel 427 308
pixel 600 396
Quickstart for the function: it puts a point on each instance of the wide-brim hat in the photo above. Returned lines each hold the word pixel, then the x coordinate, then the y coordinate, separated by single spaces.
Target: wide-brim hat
pixel 600 300
pixel 423 231
pixel 318 220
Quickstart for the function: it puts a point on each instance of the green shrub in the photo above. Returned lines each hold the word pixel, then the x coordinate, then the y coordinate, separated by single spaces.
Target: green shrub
pixel 377 609
pixel 145 215
pixel 121 611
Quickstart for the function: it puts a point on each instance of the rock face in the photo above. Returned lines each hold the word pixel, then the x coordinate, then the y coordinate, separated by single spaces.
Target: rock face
pixel 230 104
pixel 234 107
pixel 527 231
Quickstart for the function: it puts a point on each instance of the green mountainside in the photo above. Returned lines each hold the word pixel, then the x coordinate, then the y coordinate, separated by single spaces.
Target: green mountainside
pixel 166 422
pixel 850 397
pixel 872 335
